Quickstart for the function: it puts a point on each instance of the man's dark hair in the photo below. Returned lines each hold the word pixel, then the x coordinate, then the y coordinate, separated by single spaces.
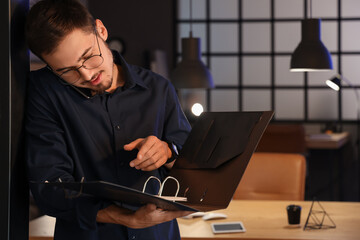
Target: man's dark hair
pixel 49 22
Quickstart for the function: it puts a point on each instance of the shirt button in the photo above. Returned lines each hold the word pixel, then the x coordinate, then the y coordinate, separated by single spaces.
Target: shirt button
pixel 117 127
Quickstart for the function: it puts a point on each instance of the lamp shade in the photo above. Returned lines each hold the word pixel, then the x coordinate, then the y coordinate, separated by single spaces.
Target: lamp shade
pixel 311 54
pixel 191 72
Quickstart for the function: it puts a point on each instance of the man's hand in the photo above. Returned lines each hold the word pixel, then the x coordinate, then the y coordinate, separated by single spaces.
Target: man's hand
pixel 153 153
pixel 144 217
pixel 149 215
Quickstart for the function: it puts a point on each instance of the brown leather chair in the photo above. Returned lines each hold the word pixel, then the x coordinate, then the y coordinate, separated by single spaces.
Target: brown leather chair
pixel 273 176
pixel 283 138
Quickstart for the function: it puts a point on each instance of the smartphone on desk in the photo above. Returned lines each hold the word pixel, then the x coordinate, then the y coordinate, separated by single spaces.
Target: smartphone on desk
pixel 228 227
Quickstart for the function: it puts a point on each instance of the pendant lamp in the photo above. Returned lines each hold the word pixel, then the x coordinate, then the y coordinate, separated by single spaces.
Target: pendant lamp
pixel 311 54
pixel 191 72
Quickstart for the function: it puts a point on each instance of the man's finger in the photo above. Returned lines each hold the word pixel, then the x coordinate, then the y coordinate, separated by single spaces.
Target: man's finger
pixel 134 144
pixel 147 148
pixel 150 207
pixel 146 151
pixel 142 162
pixel 152 163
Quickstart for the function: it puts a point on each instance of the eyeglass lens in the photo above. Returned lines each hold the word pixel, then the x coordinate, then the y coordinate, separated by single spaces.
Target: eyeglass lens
pixel 92 62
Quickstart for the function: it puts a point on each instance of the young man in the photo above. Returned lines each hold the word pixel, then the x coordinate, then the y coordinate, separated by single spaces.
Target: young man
pixel 92 116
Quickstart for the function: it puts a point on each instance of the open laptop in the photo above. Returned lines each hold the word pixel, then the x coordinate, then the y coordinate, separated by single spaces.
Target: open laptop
pixel 215 156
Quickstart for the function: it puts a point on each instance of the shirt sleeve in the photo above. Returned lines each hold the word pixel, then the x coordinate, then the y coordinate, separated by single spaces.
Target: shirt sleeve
pixel 48 160
pixel 177 127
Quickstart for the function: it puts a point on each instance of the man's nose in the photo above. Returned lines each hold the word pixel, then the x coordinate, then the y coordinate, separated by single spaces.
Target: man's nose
pixel 86 74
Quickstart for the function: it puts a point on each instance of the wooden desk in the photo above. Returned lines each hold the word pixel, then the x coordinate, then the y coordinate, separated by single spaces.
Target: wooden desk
pixel 262 220
pixel 268 220
pixel 42 228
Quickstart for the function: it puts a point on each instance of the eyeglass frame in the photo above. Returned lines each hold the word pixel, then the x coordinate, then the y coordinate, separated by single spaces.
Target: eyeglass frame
pixel 82 65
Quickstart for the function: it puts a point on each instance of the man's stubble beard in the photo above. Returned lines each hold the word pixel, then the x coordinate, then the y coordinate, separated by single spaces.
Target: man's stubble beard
pixel 104 85
pixel 102 88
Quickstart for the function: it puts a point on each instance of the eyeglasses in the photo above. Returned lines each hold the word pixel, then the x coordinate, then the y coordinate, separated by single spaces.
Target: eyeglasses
pixel 73 75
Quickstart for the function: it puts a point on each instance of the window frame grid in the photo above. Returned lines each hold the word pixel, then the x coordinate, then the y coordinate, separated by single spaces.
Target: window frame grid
pixel 272 54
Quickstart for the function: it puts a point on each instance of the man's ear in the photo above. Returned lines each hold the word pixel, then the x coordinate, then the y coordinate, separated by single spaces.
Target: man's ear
pixel 101 29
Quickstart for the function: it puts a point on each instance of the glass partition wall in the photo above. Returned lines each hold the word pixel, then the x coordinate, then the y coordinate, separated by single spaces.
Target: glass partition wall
pixel 247 45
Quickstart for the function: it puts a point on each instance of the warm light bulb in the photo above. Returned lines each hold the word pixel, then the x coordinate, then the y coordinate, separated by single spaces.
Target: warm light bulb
pixel 333 85
pixel 197 109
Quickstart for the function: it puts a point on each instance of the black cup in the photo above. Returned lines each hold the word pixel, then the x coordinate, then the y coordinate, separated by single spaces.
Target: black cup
pixel 294 213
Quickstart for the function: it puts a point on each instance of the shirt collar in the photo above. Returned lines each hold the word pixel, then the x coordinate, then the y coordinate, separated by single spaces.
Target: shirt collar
pixel 131 78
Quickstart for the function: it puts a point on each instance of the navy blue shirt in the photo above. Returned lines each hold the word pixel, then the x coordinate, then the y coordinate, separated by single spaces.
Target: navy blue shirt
pixel 71 137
